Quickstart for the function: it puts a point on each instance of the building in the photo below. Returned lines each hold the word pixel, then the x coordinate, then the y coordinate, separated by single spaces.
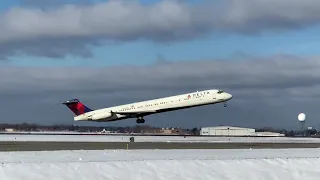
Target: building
pixel 234 131
pixel 269 134
pixel 173 131
pixel 9 130
pixel 226 131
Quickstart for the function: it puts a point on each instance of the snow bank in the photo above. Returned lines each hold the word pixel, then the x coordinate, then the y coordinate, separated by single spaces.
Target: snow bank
pixel 249 164
pixel 172 170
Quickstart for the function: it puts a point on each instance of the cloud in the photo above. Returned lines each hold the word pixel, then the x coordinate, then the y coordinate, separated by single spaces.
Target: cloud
pixel 72 29
pixel 255 16
pixel 275 72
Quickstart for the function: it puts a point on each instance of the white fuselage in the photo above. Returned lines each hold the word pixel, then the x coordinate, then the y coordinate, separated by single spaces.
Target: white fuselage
pixel 145 108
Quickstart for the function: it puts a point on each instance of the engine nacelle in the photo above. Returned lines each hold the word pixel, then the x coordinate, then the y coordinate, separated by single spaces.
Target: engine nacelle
pixel 100 116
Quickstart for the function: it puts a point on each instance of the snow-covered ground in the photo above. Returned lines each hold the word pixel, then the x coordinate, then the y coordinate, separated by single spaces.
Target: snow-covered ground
pixel 239 164
pixel 110 138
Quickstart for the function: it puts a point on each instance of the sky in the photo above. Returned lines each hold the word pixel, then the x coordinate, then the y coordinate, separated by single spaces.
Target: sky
pixel 105 53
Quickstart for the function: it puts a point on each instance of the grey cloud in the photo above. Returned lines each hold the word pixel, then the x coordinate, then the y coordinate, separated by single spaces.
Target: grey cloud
pixel 74 27
pixel 255 16
pixel 267 91
pixel 275 72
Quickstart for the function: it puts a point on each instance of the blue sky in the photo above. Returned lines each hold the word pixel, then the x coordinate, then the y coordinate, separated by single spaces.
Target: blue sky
pixel 300 42
pixel 303 42
pixel 212 46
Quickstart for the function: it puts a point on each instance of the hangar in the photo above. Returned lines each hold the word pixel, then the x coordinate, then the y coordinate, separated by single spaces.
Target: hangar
pixel 226 131
pixel 234 131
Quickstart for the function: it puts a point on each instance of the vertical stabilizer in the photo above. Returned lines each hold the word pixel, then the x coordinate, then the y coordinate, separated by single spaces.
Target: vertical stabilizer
pixel 77 107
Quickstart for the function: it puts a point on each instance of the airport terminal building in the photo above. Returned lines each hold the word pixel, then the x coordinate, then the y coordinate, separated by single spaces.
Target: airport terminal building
pixel 234 131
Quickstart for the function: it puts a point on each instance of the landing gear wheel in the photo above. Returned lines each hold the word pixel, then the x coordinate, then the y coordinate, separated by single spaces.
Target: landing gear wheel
pixel 140 120
pixel 225 105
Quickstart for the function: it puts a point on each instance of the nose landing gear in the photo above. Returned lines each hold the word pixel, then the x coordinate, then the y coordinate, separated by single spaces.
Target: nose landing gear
pixel 225 105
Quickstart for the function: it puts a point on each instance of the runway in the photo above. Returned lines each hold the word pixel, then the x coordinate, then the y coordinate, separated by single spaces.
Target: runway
pixel 55 146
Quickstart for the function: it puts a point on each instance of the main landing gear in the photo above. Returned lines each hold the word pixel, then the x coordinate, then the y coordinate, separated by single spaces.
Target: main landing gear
pixel 140 120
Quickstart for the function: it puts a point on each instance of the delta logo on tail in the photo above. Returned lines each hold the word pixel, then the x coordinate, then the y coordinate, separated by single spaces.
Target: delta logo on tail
pixel 77 107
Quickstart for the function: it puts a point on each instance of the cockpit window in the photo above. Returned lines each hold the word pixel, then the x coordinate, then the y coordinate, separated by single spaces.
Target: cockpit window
pixel 220 91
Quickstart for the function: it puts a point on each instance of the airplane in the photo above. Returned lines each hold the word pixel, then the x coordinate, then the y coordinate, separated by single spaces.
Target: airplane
pixel 144 108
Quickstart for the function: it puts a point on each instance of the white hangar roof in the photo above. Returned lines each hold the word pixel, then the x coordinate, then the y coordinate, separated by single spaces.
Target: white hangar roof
pixel 227 128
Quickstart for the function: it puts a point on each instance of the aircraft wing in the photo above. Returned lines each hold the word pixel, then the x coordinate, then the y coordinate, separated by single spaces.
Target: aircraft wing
pixel 134 112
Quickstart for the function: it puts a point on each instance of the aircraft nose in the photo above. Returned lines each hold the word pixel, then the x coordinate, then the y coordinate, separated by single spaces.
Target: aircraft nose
pixel 228 96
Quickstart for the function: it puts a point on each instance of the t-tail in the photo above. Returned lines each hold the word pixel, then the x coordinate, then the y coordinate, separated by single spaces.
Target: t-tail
pixel 77 107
